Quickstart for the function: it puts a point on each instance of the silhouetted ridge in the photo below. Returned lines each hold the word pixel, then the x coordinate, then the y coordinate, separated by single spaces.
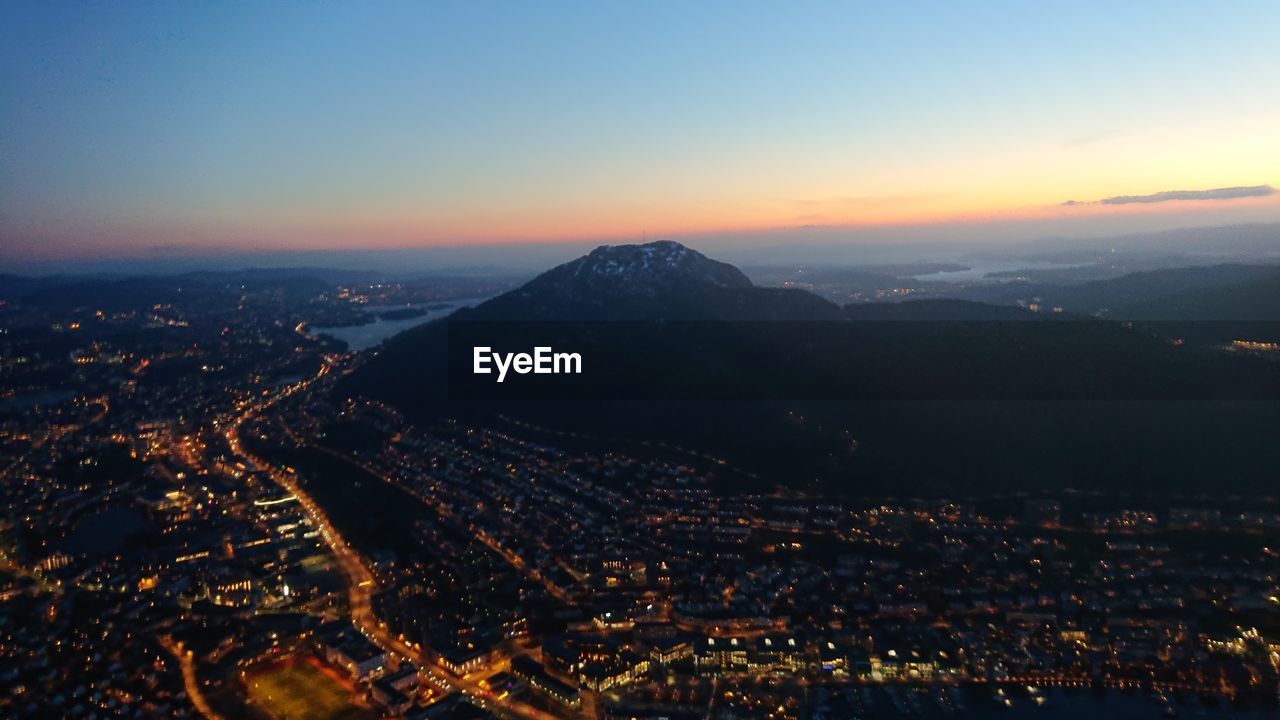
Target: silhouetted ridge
pixel 655 281
pixel 919 396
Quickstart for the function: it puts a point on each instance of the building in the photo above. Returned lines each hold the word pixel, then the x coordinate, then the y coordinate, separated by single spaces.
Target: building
pixel 777 654
pixel 461 660
pixel 532 672
pixel 721 654
pixel 668 650
pixel 342 645
pixel 624 668
pixel 833 659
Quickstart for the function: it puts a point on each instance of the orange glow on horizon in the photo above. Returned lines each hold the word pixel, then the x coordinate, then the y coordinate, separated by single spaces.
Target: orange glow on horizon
pixel 296 232
pixel 412 231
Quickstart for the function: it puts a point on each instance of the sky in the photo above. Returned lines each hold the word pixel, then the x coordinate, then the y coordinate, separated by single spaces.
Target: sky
pixel 170 129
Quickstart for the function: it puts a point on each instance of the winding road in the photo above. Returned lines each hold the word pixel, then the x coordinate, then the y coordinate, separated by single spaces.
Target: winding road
pixel 361 584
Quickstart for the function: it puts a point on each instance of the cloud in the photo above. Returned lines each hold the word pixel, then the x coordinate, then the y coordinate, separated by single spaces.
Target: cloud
pixel 1229 193
pixel 810 218
pixel 872 201
pixel 162 250
pixel 1089 139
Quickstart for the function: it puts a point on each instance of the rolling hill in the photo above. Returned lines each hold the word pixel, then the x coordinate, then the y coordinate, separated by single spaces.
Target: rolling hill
pixel 921 397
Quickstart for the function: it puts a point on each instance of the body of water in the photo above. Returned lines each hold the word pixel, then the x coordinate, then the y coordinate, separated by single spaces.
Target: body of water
pixel 363 337
pixel 979 269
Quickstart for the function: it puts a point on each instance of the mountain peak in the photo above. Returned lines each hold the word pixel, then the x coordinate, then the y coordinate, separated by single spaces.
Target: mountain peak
pixel 654 265
pixel 653 281
pixel 650 270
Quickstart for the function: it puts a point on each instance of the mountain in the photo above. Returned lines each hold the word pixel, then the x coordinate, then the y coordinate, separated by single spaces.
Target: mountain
pixel 1207 305
pixel 650 269
pixel 923 397
pixel 936 311
pixel 658 280
pixel 64 293
pixel 1141 295
pixel 1253 295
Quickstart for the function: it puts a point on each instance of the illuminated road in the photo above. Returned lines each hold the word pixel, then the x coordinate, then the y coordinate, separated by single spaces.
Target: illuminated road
pixel 189 679
pixel 511 558
pixel 360 581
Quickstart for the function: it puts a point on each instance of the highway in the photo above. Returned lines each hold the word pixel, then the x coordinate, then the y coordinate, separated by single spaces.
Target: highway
pixel 361 584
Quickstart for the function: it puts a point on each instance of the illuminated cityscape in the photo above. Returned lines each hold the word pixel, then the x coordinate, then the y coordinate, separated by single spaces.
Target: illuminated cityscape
pixel 205 527
pixel 716 360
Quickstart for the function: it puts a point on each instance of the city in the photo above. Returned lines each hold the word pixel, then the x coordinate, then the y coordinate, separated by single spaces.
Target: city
pixel 202 540
pixel 715 360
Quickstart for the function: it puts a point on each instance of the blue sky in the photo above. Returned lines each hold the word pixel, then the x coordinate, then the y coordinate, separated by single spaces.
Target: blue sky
pixel 128 127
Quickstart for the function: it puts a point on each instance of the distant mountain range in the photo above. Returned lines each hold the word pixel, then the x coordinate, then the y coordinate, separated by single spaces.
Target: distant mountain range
pixel 940 396
pixel 1216 292
pixel 60 293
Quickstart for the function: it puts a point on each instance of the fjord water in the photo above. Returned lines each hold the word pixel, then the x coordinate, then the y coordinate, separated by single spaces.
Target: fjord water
pixel 363 337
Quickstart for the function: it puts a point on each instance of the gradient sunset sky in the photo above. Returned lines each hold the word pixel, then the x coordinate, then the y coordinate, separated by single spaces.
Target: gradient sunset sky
pixel 130 129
